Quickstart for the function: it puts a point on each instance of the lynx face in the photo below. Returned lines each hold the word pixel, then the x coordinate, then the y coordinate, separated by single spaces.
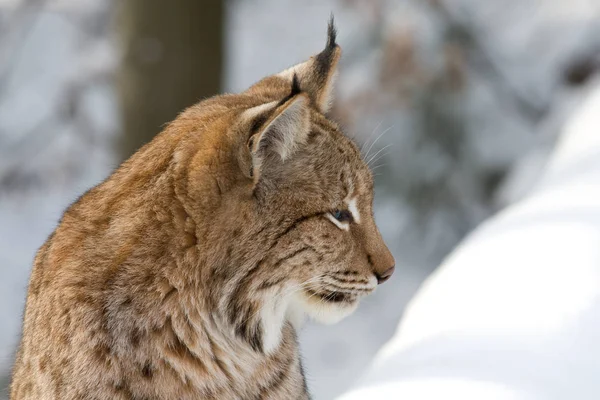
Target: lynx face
pixel 330 253
pixel 309 240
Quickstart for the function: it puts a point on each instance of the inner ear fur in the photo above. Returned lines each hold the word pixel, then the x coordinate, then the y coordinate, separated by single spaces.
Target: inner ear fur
pixel 280 136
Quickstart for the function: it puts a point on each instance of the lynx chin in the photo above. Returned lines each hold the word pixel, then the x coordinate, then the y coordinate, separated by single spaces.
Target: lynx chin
pixel 186 273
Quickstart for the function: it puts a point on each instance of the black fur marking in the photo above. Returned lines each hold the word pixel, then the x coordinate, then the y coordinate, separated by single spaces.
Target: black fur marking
pixel 295 90
pixel 260 231
pixel 295 85
pixel 255 338
pixel 343 277
pixel 248 330
pixel 331 296
pixel 271 282
pixel 294 225
pixel 126 302
pixel 276 381
pixel 293 254
pixel 123 387
pixel 234 307
pixel 275 281
pixel 222 366
pixel 251 332
pixel 135 337
pixel 169 294
pixel 342 289
pixel 147 370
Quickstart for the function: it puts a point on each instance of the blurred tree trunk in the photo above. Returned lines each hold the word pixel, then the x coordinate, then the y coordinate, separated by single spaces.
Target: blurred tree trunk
pixel 173 53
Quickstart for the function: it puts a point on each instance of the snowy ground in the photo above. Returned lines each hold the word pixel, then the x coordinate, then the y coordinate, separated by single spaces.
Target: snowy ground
pixel 513 313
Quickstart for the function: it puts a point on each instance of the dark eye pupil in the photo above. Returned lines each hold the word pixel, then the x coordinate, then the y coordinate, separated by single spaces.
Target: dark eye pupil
pixel 342 215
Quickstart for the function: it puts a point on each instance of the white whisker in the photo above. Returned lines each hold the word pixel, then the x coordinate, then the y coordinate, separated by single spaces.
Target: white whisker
pixel 376 140
pixel 377 166
pixel 362 148
pixel 373 159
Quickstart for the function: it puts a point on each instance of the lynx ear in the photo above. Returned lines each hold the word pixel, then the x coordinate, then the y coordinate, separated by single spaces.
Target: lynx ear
pixel 317 75
pixel 281 135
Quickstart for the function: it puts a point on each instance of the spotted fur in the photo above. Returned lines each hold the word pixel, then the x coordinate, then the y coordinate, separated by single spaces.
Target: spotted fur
pixel 186 273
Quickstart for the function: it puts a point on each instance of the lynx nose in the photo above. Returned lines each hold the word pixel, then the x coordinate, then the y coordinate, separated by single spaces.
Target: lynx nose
pixel 384 276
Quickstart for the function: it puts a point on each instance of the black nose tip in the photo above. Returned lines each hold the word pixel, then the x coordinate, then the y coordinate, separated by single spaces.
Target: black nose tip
pixel 385 275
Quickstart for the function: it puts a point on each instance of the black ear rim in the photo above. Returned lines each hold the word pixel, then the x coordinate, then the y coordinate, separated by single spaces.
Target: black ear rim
pixel 257 124
pixel 294 91
pixel 295 86
pixel 259 121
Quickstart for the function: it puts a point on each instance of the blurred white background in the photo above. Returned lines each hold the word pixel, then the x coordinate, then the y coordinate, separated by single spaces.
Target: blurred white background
pixel 462 99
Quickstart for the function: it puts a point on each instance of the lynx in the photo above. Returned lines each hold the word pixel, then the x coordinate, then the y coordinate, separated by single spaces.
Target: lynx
pixel 187 272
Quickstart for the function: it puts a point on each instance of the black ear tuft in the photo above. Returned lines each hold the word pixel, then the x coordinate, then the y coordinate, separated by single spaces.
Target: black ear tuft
pixel 316 75
pixel 331 33
pixel 325 60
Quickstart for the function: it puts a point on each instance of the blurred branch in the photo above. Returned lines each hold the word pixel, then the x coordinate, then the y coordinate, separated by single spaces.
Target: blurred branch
pixel 460 27
pixel 583 67
pixel 33 142
pixel 369 38
pixel 95 62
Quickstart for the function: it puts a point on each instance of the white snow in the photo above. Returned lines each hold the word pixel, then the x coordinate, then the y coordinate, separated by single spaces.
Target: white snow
pixel 514 311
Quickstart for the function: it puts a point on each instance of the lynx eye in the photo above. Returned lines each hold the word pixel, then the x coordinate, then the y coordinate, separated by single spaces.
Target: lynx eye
pixel 342 215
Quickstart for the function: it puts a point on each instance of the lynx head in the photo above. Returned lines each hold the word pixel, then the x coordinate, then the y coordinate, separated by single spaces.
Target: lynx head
pixel 293 228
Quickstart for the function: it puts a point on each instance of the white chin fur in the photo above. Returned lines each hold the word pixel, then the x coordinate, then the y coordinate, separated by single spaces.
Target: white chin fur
pixel 321 311
pixel 295 309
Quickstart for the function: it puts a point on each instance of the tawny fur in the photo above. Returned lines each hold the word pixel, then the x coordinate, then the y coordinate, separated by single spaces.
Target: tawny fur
pixel 185 273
